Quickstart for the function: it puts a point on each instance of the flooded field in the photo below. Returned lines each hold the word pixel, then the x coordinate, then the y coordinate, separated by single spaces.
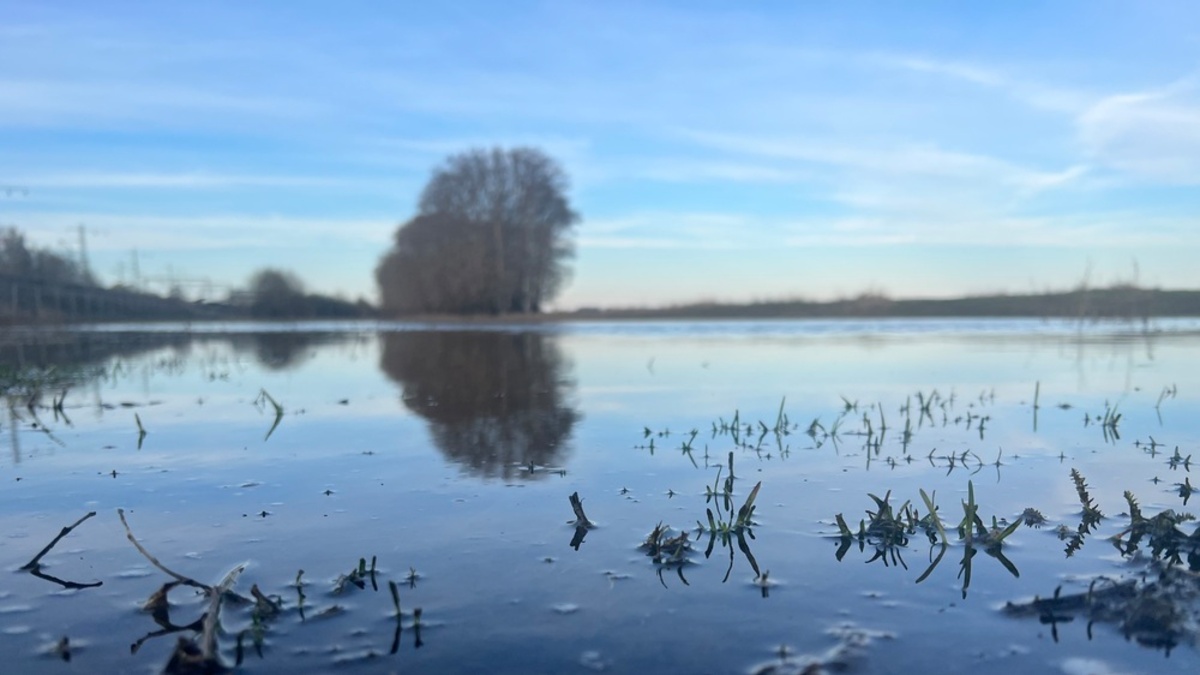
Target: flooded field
pixel 749 497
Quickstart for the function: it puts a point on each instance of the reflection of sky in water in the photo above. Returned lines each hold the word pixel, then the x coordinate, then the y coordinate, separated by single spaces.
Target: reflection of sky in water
pixel 479 527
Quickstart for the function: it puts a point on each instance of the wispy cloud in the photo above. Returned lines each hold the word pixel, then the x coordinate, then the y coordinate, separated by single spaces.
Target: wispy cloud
pixel 56 103
pixel 422 155
pixel 1099 230
pixel 912 158
pixel 902 182
pixel 708 171
pixel 185 181
pixel 122 232
pixel 1062 99
pixel 683 230
pixel 956 70
pixel 440 147
pixel 947 225
pixel 1152 134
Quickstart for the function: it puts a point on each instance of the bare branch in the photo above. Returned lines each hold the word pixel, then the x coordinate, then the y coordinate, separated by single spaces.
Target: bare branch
pixel 36 561
pixel 581 519
pixel 154 561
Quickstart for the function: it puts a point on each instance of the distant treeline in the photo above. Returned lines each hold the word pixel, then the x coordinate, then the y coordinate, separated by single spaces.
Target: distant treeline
pixel 277 294
pixel 25 300
pixel 41 286
pixel 1121 302
pixel 38 285
pixel 36 264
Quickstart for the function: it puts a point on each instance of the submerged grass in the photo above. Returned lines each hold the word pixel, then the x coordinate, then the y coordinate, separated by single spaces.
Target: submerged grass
pixel 724 525
pixel 263 399
pixel 198 648
pixel 141 430
pixel 888 530
pixel 1156 608
pixel 1164 537
pixel 1090 516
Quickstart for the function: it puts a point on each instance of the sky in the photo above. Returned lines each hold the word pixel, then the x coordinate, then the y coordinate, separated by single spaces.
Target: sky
pixel 728 151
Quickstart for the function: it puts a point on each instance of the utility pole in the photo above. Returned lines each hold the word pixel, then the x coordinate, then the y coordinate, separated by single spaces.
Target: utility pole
pixel 84 266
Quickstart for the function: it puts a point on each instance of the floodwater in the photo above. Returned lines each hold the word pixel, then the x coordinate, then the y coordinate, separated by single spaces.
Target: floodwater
pixel 441 460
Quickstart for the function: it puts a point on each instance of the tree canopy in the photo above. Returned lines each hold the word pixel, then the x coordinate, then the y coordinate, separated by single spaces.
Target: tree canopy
pixel 492 234
pixel 279 294
pixel 17 259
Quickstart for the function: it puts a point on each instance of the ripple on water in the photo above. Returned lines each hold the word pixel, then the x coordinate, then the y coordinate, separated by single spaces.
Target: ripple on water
pixel 136 573
pixel 593 660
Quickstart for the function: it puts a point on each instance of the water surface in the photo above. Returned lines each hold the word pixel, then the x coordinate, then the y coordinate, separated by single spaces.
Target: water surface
pixel 447 456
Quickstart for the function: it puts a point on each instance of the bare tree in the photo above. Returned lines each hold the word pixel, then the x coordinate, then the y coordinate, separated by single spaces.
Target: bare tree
pixel 436 266
pixel 492 234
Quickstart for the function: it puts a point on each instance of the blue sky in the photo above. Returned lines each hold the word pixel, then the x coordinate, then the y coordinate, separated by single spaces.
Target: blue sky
pixel 729 151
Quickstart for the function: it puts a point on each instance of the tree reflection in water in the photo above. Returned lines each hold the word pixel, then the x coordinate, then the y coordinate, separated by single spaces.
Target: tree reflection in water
pixel 496 401
pixel 286 350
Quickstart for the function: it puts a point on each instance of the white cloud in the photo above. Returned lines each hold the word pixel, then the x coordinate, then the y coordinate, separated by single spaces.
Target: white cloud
pixel 1038 181
pixel 422 155
pixel 1032 93
pixel 707 171
pixel 946 225
pixel 902 182
pixel 554 145
pixel 666 229
pixel 187 181
pixel 891 158
pixel 1153 134
pixel 119 232
pixel 953 69
pixel 601 241
pixel 53 102
pixel 1096 230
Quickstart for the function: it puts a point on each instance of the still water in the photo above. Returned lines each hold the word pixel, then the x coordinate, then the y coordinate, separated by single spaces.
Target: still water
pixel 334 461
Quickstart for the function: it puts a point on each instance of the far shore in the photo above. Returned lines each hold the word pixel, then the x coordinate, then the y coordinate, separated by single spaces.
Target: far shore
pixel 1124 303
pixel 1118 303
